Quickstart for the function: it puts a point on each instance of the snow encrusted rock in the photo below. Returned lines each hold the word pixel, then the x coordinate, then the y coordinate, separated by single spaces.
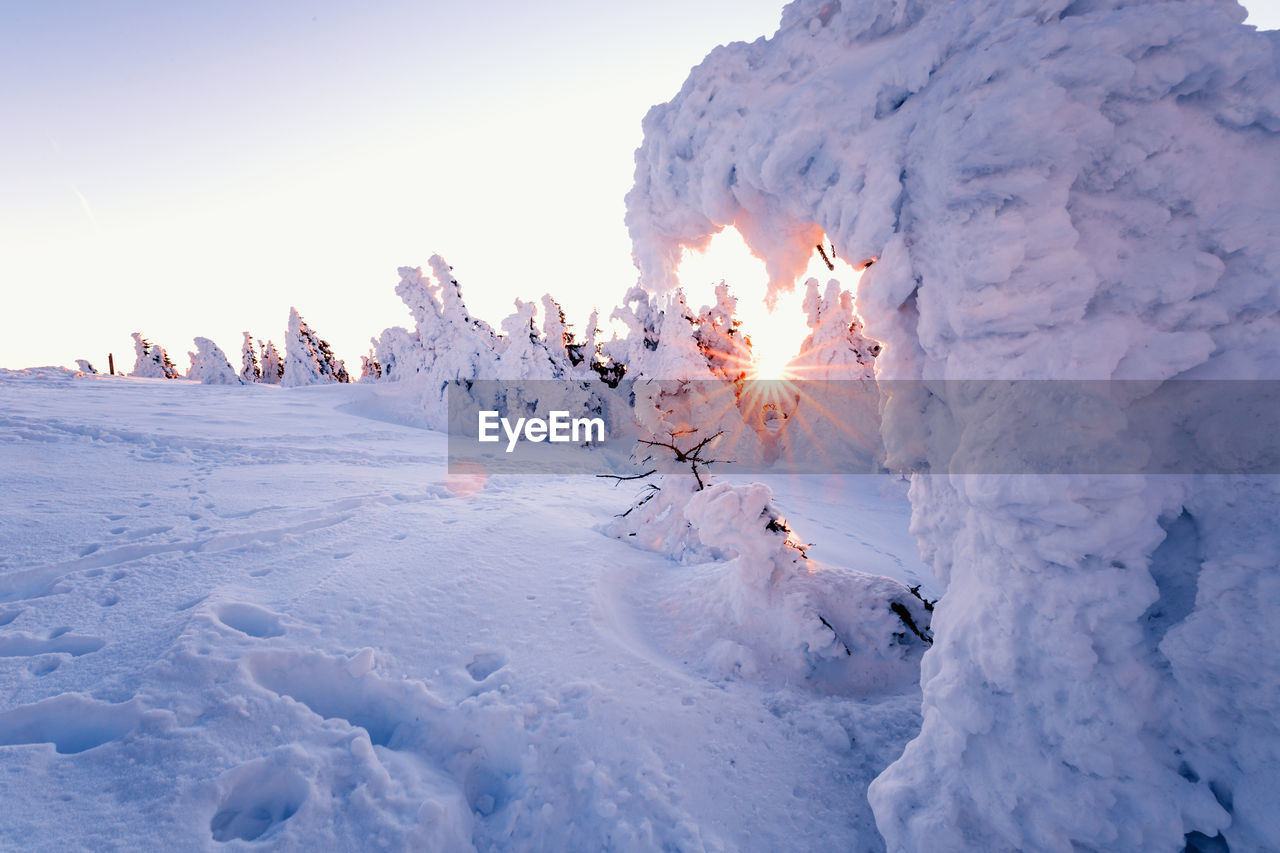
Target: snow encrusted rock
pixel 1050 189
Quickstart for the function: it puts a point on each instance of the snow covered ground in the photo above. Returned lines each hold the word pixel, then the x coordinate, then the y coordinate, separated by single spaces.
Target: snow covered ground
pixel 247 615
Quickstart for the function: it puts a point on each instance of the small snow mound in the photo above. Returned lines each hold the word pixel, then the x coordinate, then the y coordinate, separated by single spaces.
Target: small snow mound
pixel 38 374
pixel 756 606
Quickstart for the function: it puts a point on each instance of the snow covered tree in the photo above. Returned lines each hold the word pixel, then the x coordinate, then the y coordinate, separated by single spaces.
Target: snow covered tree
pixel 85 367
pixel 397 352
pixel 308 358
pixel 370 369
pixel 272 365
pixel 640 313
pixel 558 334
pixel 720 338
pixel 250 370
pixel 210 366
pixel 836 348
pixel 524 355
pixel 447 343
pixel 152 361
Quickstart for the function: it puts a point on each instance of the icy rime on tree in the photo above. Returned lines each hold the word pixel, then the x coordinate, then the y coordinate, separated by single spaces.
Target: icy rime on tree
pixel 272 365
pixel 1053 189
pixel 152 362
pixel 308 358
pixel 250 370
pixel 836 346
pixel 447 344
pixel 210 366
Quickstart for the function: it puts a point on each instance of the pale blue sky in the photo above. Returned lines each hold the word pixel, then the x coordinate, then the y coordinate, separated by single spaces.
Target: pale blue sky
pixel 187 169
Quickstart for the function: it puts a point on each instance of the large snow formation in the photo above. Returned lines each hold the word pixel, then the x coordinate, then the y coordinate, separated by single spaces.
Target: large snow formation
pixel 1052 189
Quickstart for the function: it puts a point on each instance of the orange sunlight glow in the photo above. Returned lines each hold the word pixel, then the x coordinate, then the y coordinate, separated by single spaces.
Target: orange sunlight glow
pixel 771 359
pixel 776 335
pixel 775 413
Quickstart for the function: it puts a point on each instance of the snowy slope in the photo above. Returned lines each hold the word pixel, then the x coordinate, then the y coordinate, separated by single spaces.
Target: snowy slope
pixel 244 614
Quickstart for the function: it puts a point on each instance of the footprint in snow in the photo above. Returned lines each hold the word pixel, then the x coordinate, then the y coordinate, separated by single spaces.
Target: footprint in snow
pixel 44 665
pixel 485 664
pixel 260 796
pixel 72 722
pixel 249 619
pixel 19 644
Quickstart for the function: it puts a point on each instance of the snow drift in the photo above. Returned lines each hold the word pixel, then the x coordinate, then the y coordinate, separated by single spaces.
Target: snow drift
pixel 1051 189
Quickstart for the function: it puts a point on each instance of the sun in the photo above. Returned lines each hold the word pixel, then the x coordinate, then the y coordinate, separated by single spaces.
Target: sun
pixel 770 361
pixel 778 330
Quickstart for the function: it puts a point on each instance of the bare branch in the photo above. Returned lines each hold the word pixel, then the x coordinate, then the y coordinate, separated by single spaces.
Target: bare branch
pixel 620 478
pixel 831 266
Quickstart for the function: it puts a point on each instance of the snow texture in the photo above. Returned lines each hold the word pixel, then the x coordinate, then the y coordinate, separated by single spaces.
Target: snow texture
pixel 220 630
pixel 1049 189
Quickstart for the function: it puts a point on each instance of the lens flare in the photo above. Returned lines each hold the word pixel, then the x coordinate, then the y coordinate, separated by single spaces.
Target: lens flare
pixel 771 362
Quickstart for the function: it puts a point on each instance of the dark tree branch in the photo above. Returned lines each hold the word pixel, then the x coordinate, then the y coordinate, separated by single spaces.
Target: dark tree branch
pixel 620 478
pixel 831 266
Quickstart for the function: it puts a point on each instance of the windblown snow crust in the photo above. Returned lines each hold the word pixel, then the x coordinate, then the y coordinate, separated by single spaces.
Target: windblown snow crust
pixel 1051 189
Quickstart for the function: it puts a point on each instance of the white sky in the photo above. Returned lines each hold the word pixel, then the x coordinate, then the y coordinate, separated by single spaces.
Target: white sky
pixel 196 169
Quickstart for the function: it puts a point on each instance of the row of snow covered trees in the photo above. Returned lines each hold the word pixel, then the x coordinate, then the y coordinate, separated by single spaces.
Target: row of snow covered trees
pixel 309 360
pixel 664 339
